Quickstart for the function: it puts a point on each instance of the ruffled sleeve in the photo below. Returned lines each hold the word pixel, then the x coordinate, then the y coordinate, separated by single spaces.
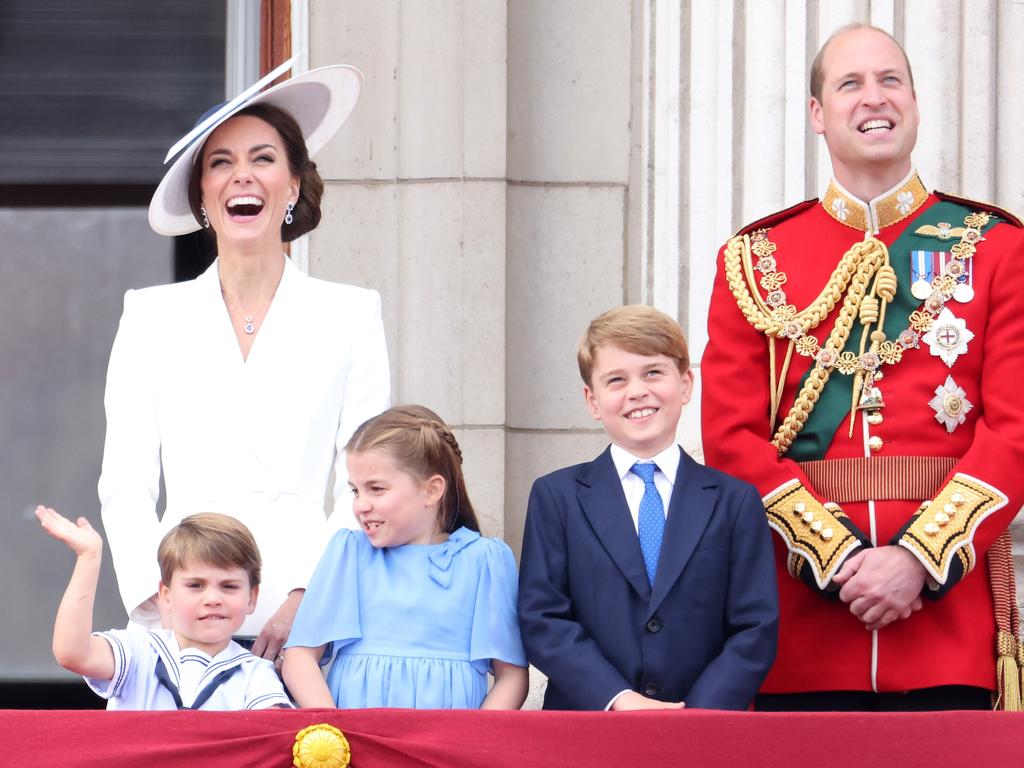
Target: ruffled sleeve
pixel 329 612
pixel 495 626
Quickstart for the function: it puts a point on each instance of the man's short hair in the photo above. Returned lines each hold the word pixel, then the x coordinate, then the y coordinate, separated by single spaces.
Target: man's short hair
pixel 213 539
pixel 817 66
pixel 635 328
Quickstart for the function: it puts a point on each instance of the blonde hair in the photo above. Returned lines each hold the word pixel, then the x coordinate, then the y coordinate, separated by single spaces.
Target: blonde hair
pixel 635 328
pixel 817 79
pixel 422 445
pixel 211 538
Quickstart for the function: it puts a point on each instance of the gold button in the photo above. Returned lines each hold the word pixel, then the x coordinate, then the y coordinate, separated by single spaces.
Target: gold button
pixel 807 516
pixel 878 376
pixel 826 534
pixel 799 507
pixel 957 498
pixel 949 509
pixel 816 526
pixel 875 418
pixel 931 529
pixel 875 443
pixel 941 518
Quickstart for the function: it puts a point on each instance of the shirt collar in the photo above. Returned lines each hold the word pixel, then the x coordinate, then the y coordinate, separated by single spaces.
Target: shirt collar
pixel 667 461
pixel 885 210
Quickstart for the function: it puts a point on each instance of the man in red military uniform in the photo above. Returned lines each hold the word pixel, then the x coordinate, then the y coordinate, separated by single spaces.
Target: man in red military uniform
pixel 863 370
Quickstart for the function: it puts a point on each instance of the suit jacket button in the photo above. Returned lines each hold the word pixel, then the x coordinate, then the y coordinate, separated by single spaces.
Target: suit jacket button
pixel 654 625
pixel 651 689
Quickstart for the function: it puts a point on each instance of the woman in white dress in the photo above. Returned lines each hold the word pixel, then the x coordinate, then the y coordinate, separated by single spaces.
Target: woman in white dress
pixel 242 386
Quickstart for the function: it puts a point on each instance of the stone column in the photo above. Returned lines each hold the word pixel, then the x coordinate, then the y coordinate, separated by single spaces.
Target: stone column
pixel 415 207
pixel 570 75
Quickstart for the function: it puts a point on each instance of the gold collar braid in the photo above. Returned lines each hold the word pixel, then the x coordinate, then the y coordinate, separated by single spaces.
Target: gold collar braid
pixel 887 209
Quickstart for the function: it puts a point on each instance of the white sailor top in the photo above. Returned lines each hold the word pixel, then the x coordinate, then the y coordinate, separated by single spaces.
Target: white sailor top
pixel 152 673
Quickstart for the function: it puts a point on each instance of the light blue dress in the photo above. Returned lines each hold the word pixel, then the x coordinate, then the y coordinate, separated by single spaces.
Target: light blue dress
pixel 413 626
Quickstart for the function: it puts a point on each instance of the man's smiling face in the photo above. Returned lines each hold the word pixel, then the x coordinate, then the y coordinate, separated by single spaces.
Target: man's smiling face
pixel 868 110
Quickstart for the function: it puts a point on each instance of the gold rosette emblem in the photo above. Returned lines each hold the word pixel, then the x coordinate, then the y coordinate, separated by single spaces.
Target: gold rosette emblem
pixel 321 746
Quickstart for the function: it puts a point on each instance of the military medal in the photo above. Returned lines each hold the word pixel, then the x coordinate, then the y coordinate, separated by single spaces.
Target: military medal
pixel 963 272
pixel 922 270
pixel 948 337
pixel 950 405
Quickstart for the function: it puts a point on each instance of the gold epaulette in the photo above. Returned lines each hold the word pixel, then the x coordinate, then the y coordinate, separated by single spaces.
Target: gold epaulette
pixel 775 218
pixel 975 205
pixel 944 527
pixel 813 531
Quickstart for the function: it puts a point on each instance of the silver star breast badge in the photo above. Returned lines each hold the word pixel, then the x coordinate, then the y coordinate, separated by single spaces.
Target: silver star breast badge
pixel 950 405
pixel 948 337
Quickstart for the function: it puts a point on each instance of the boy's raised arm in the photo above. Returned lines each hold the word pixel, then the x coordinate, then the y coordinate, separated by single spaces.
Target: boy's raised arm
pixel 74 646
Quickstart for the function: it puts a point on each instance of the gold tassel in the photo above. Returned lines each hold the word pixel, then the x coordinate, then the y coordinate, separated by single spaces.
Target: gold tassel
pixel 1008 678
pixel 1020 666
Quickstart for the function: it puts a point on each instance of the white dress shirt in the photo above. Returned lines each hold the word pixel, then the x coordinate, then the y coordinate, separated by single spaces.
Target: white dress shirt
pixel 633 485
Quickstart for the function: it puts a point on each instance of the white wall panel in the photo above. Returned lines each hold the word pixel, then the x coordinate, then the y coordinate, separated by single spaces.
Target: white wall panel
pixel 1008 105
pixel 764 80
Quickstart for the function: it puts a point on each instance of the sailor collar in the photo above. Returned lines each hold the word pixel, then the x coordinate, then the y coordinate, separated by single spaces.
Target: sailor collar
pixel 885 210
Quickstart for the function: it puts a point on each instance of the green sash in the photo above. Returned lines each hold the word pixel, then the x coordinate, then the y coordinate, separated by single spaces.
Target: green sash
pixel 833 407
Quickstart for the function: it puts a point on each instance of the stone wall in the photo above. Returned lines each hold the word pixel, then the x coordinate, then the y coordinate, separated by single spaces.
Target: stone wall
pixel 504 179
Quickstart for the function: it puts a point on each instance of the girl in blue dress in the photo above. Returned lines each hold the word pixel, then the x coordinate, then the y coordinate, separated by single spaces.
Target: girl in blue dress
pixel 414 609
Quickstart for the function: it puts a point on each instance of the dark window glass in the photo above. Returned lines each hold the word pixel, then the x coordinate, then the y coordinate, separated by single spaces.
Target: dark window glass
pixel 96 91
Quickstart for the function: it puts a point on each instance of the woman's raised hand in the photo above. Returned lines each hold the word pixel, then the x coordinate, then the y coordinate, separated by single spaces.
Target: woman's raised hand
pixel 81 536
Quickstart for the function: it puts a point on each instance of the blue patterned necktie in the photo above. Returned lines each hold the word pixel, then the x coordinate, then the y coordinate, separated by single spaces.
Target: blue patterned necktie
pixel 650 523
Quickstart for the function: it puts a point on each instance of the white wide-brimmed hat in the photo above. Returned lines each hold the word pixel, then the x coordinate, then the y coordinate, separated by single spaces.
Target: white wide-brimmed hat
pixel 320 101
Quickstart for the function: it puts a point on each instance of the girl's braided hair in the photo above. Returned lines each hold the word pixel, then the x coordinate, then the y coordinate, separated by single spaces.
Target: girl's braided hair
pixel 422 445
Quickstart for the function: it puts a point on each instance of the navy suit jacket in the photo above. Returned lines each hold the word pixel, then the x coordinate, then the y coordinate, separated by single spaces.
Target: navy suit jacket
pixel 706 632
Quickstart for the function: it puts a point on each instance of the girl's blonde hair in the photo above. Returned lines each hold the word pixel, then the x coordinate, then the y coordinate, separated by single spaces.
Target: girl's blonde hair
pixel 422 445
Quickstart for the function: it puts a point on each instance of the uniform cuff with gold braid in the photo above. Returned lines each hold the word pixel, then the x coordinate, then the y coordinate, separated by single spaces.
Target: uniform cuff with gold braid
pixel 819 536
pixel 941 534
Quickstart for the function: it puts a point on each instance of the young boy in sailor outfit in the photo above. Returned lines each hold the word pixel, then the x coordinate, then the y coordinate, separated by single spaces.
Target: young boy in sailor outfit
pixel 209 580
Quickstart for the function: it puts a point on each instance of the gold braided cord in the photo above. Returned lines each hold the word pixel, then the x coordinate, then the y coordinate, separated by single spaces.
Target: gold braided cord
pixel 871 255
pixel 1007 613
pixel 852 276
pixel 782 380
pixel 872 312
pixel 739 272
pixel 776 318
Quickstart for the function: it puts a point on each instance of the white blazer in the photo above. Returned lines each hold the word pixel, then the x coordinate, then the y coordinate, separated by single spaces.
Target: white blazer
pixel 255 438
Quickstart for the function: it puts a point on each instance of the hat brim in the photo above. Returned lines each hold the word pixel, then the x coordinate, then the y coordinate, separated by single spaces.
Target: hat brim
pixel 320 100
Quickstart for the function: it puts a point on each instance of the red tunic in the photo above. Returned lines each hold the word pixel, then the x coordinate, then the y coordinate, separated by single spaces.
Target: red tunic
pixel 822 646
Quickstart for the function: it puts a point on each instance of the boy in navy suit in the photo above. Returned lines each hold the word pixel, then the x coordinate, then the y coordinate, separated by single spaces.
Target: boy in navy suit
pixel 647 580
